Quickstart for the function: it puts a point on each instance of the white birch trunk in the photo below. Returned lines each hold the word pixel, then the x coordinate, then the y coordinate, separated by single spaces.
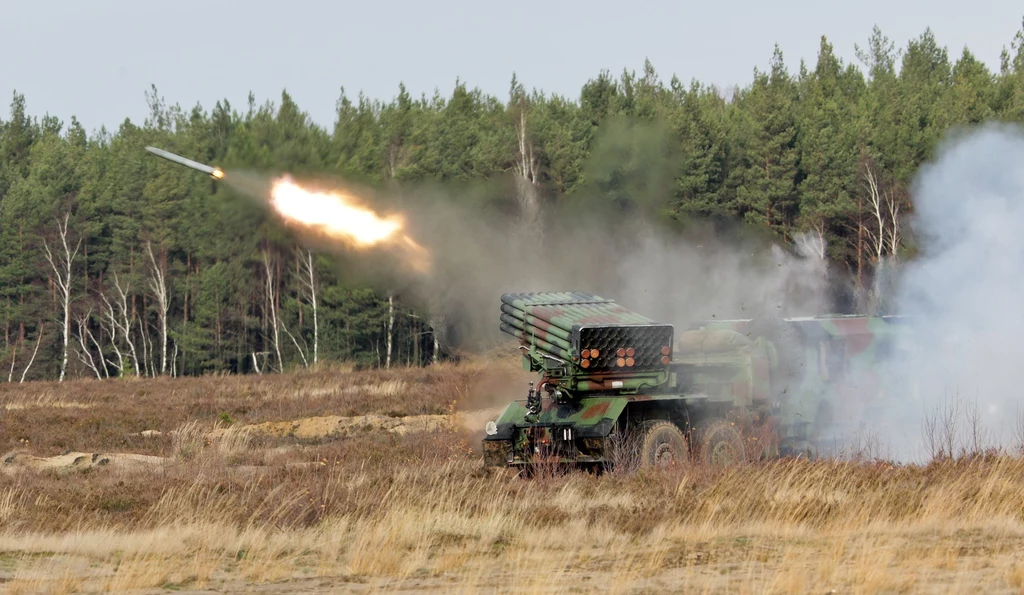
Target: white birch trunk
pixel 389 336
pixel 436 325
pixel 309 280
pixel 526 170
pixel 39 339
pixel 112 320
pixel 875 201
pixel 62 271
pixel 894 225
pixel 125 324
pixel 158 283
pixel 85 354
pixel 271 296
pixel 14 358
pixel 817 239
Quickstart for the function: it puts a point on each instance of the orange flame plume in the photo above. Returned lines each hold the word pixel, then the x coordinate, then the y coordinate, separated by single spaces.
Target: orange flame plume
pixel 341 217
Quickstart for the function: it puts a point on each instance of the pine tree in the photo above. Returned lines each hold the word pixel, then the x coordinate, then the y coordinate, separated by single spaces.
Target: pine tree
pixel 828 151
pixel 699 122
pixel 765 178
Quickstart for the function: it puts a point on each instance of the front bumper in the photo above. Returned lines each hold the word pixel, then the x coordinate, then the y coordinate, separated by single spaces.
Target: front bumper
pixel 545 443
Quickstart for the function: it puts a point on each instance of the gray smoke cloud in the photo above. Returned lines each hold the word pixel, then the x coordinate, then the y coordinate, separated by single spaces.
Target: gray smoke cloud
pixel 481 247
pixel 958 372
pixel 666 274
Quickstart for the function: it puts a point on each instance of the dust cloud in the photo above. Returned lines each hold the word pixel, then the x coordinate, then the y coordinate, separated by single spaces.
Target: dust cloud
pixel 955 375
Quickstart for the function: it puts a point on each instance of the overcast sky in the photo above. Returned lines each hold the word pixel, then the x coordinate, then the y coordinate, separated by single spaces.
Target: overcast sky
pixel 95 59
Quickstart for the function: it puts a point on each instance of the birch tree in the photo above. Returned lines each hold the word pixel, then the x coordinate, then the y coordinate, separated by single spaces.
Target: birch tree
pixel 895 236
pixel 121 322
pixel 28 366
pixel 309 282
pixel 62 265
pixel 815 239
pixel 108 328
pixel 84 351
pixel 158 284
pixel 389 330
pixel 884 235
pixel 14 359
pixel 884 208
pixel 271 297
pixel 302 350
pixel 527 161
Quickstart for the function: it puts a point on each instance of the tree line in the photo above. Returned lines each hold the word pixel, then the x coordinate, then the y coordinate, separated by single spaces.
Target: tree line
pixel 113 264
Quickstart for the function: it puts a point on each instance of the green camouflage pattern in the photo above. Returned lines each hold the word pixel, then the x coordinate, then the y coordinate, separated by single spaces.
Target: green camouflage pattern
pixel 590 419
pixel 805 375
pixel 724 366
pixel 581 341
pixel 838 362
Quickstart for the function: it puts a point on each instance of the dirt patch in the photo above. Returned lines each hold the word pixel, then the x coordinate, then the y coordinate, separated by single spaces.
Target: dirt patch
pixel 333 426
pixel 312 428
pixel 309 428
pixel 75 461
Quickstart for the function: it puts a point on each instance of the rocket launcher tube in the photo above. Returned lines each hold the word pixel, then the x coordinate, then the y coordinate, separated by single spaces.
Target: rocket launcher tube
pixel 564 321
pixel 540 323
pixel 565 315
pixel 526 317
pixel 616 311
pixel 524 300
pixel 540 343
pixel 534 331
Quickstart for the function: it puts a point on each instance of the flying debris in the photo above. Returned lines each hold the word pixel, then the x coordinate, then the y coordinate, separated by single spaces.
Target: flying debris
pixel 214 172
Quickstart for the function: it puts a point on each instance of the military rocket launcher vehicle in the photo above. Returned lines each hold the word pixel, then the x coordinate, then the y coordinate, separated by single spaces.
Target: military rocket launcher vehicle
pixel 617 387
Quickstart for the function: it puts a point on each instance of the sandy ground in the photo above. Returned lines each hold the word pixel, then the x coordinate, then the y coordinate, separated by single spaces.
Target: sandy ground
pixel 309 428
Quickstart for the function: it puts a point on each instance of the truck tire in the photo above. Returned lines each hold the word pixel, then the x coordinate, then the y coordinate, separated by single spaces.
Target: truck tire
pixel 664 445
pixel 722 443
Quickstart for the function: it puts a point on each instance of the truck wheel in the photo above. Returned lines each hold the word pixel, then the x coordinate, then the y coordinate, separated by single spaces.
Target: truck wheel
pixel 664 444
pixel 722 444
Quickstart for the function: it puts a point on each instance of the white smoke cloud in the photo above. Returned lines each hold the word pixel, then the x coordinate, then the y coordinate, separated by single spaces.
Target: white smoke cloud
pixel 683 280
pixel 965 293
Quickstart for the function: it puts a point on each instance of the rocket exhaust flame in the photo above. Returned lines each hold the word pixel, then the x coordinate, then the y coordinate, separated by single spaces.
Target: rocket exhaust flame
pixel 336 215
pixel 340 216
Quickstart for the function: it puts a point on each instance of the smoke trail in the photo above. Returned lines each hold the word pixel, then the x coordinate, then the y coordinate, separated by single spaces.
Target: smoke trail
pixel 965 296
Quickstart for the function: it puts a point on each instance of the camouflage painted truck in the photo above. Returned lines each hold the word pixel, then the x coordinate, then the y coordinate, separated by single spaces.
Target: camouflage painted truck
pixel 614 385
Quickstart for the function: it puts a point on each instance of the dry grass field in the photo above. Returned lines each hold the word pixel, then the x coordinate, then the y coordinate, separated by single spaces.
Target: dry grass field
pixel 372 482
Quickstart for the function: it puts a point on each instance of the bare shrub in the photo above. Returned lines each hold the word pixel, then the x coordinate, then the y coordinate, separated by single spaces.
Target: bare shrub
pixel 624 452
pixel 941 426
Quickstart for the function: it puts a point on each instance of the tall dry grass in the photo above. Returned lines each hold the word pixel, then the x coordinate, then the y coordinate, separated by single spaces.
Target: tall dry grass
pixel 82 415
pixel 436 519
pixel 379 512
